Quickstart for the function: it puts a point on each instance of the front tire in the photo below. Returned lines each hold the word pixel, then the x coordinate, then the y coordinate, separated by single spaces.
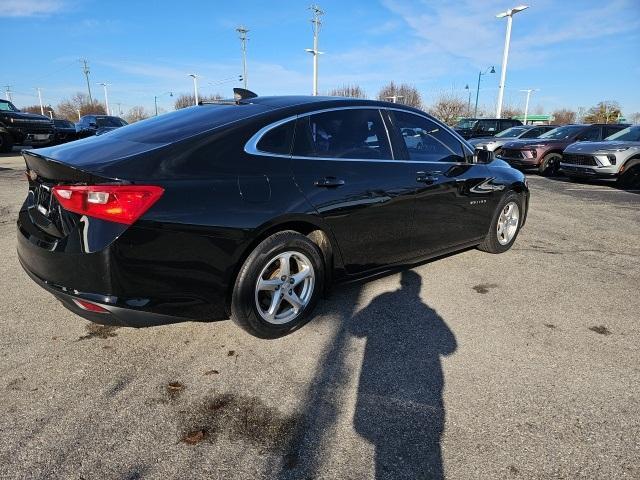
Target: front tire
pixel 550 164
pixel 505 225
pixel 630 179
pixel 278 286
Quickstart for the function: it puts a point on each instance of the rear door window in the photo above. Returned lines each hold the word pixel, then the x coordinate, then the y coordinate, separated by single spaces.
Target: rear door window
pixel 348 133
pixel 425 140
pixel 278 140
pixel 590 134
pixel 611 129
pixel 533 133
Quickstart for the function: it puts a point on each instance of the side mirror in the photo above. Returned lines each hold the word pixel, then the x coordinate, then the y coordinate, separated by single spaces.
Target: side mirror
pixel 481 156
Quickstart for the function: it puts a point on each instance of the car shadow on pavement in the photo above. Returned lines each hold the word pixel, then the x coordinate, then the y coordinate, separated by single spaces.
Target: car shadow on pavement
pixel 399 407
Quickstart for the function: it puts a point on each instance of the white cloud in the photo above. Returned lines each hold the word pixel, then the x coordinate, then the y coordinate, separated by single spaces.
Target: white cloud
pixel 29 8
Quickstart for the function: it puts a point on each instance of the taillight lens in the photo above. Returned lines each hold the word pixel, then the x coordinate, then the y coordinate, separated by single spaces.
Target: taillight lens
pixel 90 306
pixel 115 203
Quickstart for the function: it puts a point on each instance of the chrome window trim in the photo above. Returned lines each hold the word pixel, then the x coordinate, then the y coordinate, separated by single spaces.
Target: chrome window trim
pixel 251 147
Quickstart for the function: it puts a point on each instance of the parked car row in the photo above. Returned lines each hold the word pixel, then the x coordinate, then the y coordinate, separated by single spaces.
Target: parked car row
pixel 23 128
pixel 607 151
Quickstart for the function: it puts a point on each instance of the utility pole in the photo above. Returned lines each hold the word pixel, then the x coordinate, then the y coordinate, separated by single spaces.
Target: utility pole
pixel 526 105
pixel 40 99
pixel 86 71
pixel 466 87
pixel 242 34
pixel 7 92
pixel 480 74
pixel 317 23
pixel 505 55
pixel 106 97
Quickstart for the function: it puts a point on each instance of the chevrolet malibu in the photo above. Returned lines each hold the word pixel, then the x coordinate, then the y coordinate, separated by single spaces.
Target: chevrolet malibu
pixel 251 209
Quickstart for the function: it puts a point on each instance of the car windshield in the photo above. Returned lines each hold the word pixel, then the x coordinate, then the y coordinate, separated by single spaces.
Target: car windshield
pixel 110 122
pixel 466 124
pixel 7 106
pixel 512 132
pixel 629 134
pixel 562 133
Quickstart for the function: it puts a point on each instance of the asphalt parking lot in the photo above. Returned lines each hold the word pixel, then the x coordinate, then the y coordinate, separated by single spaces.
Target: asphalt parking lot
pixel 521 365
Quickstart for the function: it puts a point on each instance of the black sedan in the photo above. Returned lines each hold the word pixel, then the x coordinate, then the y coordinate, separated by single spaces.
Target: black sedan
pixel 251 209
pixel 63 131
pixel 90 125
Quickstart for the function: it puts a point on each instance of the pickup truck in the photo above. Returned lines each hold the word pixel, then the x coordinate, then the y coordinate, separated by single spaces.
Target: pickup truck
pixel 21 128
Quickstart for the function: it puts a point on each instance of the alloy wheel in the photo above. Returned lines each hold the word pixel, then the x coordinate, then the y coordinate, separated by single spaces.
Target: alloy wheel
pixel 508 223
pixel 284 287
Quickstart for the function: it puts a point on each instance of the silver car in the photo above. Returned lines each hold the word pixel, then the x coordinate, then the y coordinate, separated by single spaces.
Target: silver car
pixel 494 144
pixel 616 157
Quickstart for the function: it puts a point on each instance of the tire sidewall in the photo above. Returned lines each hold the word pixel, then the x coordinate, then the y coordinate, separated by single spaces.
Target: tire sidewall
pixel 550 164
pixel 494 244
pixel 244 310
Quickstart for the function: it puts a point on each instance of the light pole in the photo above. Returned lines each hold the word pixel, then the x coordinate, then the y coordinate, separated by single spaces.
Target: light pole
pixel 242 32
pixel 317 13
pixel 466 87
pixel 526 104
pixel 195 86
pixel 509 14
pixel 155 99
pixel 106 97
pixel 51 114
pixel 78 110
pixel 480 74
pixel 40 100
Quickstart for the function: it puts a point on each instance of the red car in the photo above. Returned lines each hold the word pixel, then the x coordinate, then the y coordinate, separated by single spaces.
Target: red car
pixel 545 152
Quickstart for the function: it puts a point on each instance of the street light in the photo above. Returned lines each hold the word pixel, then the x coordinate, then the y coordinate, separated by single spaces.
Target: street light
pixel 480 74
pixel 155 99
pixel 195 86
pixel 509 14
pixel 106 98
pixel 526 105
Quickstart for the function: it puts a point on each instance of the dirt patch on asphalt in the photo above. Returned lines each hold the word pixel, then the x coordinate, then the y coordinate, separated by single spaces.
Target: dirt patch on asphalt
pixel 238 417
pixel 484 287
pixel 95 330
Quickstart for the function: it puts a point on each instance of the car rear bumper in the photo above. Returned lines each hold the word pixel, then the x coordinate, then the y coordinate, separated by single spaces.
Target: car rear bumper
pixel 116 313
pixel 121 279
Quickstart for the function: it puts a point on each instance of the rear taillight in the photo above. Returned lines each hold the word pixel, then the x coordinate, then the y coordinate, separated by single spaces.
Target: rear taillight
pixel 115 203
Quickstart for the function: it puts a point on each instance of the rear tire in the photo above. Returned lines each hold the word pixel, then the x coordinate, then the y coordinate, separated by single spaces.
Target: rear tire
pixel 271 300
pixel 550 164
pixel 6 143
pixel 496 240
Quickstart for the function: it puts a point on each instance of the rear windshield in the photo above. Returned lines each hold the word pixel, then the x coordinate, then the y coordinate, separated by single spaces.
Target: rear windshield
pixel 110 122
pixel 63 123
pixel 184 123
pixel 466 124
pixel 629 134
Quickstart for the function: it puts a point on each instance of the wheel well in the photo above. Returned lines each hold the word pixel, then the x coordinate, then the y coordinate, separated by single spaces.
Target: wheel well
pixel 311 231
pixel 631 162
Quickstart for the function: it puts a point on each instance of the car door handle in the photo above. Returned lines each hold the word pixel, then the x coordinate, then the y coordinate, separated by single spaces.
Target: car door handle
pixel 427 177
pixel 329 182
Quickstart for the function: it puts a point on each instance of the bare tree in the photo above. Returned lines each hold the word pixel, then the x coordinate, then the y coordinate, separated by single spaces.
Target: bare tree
pixel 68 108
pixel 136 114
pixel 538 110
pixel 448 108
pixel 36 109
pixel 353 91
pixel 635 118
pixel 510 111
pixel 185 100
pixel 564 116
pixel 604 112
pixel 403 93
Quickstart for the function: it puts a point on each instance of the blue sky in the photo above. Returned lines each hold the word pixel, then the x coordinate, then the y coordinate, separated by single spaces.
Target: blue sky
pixel 576 52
